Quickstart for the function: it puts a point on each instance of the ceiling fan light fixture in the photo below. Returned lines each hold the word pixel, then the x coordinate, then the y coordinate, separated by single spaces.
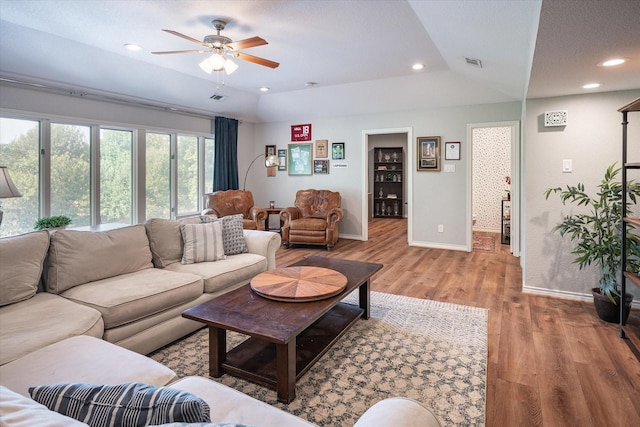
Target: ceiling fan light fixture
pixel 229 66
pixel 214 63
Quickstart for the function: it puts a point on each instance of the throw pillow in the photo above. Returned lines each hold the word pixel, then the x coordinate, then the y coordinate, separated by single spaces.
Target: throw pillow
pixel 202 242
pixel 129 404
pixel 232 233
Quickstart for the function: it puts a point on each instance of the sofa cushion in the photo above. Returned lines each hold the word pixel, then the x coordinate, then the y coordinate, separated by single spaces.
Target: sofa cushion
pixel 202 242
pixel 165 239
pixel 21 259
pixel 232 233
pixel 83 359
pixel 78 257
pixel 42 320
pixel 227 274
pixel 17 410
pixel 130 297
pixel 231 406
pixel 123 405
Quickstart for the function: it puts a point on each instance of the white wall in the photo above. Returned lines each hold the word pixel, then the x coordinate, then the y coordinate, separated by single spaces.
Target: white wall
pixel 592 140
pixel 439 198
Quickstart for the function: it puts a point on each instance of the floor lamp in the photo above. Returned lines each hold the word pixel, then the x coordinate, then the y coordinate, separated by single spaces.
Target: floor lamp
pixel 7 187
pixel 269 162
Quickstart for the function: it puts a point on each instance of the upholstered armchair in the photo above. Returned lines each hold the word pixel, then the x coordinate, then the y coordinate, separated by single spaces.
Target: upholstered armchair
pixel 232 202
pixel 314 220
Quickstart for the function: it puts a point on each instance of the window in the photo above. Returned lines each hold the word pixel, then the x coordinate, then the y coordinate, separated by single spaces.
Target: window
pixel 19 148
pixel 90 173
pixel 116 176
pixel 158 177
pixel 71 172
pixel 187 166
pixel 209 153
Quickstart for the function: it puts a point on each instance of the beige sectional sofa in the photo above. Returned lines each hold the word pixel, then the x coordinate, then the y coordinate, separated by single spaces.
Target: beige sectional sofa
pixel 74 304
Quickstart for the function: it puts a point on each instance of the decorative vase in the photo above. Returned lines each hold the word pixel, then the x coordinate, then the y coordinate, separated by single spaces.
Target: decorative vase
pixel 379 156
pixel 395 156
pixel 380 193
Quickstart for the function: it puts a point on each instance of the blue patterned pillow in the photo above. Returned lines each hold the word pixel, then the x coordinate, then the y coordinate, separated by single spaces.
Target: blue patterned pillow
pixel 232 233
pixel 124 405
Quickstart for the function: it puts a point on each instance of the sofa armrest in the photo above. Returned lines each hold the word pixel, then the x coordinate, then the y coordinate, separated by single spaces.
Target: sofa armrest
pixel 264 243
pixel 335 216
pixel 397 411
pixel 209 211
pixel 259 216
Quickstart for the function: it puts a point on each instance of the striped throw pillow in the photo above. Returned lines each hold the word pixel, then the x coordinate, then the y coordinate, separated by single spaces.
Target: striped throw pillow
pixel 202 242
pixel 232 233
pixel 129 404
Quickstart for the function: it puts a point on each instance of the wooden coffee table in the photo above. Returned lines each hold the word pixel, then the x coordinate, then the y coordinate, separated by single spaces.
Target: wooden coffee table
pixel 286 338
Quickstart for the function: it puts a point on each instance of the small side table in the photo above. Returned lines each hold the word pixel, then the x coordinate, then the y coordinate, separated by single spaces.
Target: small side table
pixel 273 211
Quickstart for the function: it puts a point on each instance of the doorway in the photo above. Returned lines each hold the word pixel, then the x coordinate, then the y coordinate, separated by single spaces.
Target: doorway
pixel 370 140
pixel 494 185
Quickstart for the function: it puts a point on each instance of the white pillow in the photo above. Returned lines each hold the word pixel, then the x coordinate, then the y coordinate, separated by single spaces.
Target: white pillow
pixel 202 242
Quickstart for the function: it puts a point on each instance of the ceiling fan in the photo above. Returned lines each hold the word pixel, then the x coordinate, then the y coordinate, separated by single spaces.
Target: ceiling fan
pixel 222 48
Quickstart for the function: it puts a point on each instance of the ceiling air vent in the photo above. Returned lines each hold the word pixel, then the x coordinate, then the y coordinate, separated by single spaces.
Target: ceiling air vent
pixel 218 97
pixel 474 62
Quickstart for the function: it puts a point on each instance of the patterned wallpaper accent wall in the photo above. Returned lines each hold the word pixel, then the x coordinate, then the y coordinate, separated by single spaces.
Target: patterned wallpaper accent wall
pixel 491 164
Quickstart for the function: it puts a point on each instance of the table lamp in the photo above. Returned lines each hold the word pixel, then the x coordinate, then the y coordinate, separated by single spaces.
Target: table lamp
pixel 7 187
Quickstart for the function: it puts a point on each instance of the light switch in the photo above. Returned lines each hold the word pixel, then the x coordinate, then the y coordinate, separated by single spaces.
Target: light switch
pixel 449 167
pixel 567 166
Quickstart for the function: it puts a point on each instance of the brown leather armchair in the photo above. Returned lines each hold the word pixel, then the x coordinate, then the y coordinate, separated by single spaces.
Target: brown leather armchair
pixel 314 220
pixel 232 202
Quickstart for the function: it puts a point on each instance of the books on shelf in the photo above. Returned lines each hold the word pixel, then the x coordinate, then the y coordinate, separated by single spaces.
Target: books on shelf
pixel 392 196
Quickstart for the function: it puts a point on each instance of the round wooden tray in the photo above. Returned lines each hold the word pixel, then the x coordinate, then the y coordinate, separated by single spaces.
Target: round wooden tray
pixel 299 284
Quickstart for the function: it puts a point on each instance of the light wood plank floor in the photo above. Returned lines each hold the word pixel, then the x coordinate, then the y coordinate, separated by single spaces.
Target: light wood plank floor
pixel 552 362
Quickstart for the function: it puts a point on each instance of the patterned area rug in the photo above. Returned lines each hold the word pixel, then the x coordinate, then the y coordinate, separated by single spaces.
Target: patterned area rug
pixel 484 243
pixel 433 352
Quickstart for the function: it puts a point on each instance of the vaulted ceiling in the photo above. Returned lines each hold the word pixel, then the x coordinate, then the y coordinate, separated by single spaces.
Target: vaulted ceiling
pixel 358 53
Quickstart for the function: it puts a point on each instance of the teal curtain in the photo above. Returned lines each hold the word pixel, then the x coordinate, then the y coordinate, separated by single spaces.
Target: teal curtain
pixel 225 164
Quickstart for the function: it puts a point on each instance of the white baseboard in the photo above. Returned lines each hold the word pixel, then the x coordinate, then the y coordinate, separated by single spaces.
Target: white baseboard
pixel 576 296
pixel 432 245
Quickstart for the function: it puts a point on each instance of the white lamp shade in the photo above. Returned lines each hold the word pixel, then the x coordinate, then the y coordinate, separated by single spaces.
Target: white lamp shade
pixel 271 161
pixel 7 188
pixel 213 63
pixel 230 66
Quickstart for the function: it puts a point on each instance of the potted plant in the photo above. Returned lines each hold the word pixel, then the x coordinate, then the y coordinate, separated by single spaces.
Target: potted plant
pixel 57 221
pixel 597 238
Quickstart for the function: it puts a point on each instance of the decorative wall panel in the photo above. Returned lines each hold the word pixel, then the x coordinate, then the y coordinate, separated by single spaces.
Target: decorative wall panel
pixel 491 164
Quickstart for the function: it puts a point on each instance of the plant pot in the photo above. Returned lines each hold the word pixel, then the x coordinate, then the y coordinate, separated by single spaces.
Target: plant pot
pixel 608 311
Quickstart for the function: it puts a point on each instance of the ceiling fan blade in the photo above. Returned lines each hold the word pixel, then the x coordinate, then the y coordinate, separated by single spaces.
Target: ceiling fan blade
pixel 256 60
pixel 191 39
pixel 179 51
pixel 247 43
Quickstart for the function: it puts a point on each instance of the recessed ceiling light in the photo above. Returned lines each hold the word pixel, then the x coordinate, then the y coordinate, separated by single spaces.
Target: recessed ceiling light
pixel 591 86
pixel 310 84
pixel 133 46
pixel 264 89
pixel 417 66
pixel 613 62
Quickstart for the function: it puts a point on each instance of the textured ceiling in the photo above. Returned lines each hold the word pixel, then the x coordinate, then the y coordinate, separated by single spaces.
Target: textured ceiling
pixel 359 52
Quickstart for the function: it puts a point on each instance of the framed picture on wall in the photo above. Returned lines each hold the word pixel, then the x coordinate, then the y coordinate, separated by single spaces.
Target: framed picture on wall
pixel 452 151
pixel 321 167
pixel 300 159
pixel 428 153
pixel 337 151
pixel 269 150
pixel 322 148
pixel 282 157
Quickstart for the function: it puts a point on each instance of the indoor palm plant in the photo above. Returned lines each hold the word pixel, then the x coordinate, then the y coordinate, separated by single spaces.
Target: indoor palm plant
pixel 597 238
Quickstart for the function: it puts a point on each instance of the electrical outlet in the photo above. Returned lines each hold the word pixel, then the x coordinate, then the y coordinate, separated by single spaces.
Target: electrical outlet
pixel 440 228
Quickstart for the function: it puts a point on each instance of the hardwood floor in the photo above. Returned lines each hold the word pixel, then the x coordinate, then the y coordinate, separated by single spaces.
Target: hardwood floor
pixel 551 361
